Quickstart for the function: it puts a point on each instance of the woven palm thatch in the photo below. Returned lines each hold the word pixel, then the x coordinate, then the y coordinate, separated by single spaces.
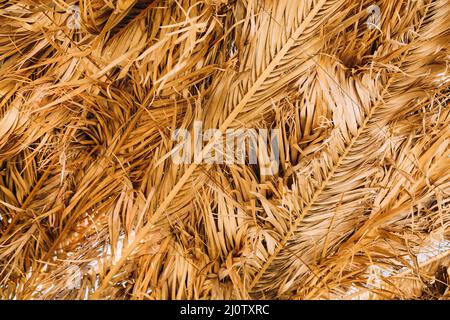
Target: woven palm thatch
pixel 92 205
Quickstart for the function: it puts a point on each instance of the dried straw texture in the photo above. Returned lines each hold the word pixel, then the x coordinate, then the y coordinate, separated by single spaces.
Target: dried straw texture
pixel 87 182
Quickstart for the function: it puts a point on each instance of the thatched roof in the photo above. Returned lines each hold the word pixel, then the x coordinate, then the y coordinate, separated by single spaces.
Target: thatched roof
pixel 93 206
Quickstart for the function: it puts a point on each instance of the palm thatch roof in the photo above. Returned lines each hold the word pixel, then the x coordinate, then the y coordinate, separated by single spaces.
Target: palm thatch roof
pixel 93 207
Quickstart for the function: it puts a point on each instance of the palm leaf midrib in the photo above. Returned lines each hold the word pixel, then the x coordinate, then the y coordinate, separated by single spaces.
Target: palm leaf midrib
pixel 332 171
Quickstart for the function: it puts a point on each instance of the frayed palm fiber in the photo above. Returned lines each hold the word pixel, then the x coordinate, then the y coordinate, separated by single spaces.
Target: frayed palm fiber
pixel 87 182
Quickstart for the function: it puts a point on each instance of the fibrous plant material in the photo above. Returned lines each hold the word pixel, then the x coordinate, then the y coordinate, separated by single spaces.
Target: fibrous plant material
pixel 93 205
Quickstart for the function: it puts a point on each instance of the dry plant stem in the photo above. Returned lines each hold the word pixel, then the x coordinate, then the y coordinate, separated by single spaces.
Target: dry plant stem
pixel 362 231
pixel 330 174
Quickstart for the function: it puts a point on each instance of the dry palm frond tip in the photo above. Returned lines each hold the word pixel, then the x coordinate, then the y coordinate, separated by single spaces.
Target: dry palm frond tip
pixel 218 149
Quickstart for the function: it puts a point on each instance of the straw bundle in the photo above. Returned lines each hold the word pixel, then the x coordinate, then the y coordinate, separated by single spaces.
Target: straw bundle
pixel 92 205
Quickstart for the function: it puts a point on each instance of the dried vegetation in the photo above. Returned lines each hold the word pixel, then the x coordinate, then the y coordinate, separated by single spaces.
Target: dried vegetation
pixel 87 184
